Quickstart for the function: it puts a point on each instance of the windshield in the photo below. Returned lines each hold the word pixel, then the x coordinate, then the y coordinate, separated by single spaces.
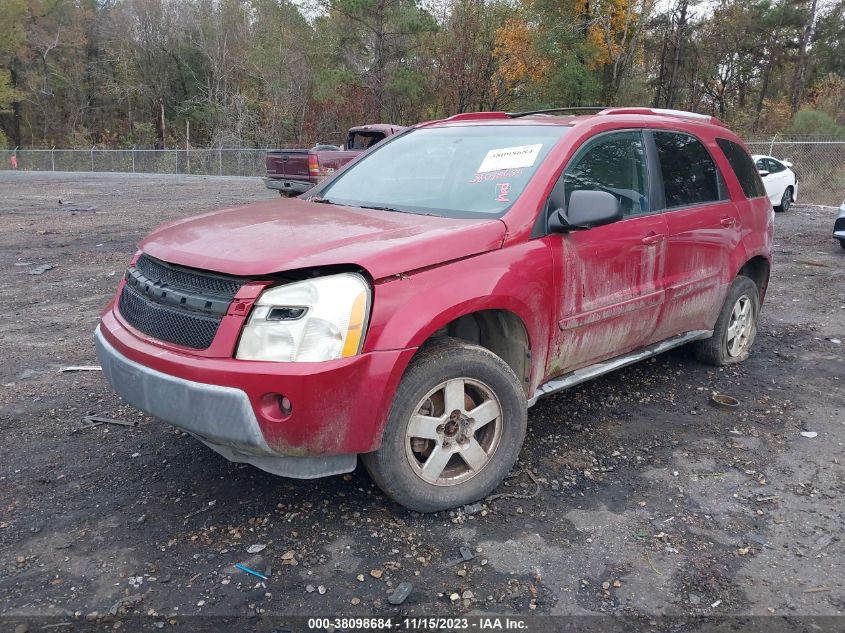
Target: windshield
pixel 455 172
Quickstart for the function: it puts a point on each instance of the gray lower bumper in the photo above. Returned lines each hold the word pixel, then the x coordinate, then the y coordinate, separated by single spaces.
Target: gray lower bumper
pixel 220 417
pixel 293 186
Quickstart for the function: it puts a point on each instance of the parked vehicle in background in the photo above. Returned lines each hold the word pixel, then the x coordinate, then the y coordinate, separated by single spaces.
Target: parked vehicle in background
pixel 779 179
pixel 294 171
pixel 411 308
pixel 839 225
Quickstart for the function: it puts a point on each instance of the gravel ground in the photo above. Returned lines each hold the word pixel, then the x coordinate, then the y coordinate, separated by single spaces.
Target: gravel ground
pixel 649 503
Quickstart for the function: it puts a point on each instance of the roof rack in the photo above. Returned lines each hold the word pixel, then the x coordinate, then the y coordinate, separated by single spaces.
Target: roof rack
pixel 477 116
pixel 599 110
pixel 514 115
pixel 681 114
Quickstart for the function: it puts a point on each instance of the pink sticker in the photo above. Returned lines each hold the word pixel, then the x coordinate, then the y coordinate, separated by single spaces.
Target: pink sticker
pixel 493 175
pixel 503 188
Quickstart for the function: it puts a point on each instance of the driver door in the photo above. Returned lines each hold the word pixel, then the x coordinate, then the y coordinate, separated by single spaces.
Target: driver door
pixel 609 278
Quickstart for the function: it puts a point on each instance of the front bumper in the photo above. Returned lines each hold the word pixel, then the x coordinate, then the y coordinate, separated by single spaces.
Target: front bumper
pixel 339 407
pixel 291 186
pixel 220 417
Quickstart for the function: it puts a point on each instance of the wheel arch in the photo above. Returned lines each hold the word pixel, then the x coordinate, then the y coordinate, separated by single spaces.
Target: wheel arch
pixel 501 331
pixel 758 269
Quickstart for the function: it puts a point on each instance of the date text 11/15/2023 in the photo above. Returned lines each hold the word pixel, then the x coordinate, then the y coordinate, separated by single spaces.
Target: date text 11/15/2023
pixel 478 623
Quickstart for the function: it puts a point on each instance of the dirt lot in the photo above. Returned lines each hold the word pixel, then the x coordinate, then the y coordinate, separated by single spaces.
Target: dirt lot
pixel 650 502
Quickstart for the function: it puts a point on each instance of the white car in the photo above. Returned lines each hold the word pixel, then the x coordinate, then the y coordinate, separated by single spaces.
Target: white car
pixel 779 180
pixel 839 226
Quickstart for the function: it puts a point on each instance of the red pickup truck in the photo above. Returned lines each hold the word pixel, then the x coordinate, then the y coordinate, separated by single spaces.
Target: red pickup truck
pixel 411 308
pixel 294 171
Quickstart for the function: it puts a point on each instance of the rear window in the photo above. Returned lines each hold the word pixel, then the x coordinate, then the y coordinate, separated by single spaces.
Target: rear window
pixel 689 174
pixel 363 140
pixel 743 166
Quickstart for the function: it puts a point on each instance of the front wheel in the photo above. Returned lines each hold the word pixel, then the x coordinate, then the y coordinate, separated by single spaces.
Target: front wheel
pixel 454 431
pixel 736 326
pixel 842 243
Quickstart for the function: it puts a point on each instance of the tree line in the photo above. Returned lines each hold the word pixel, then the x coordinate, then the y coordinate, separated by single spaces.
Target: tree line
pixel 259 73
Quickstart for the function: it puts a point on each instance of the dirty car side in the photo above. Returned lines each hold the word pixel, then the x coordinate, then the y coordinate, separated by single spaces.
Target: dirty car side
pixel 547 303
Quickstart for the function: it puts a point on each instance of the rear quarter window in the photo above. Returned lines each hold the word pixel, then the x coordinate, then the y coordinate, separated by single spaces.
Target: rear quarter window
pixel 743 166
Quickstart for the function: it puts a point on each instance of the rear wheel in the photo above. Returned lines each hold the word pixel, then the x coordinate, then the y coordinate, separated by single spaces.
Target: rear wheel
pixel 785 201
pixel 736 326
pixel 455 428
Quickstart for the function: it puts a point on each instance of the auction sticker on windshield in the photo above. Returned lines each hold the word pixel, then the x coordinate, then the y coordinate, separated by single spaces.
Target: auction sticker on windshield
pixel 510 158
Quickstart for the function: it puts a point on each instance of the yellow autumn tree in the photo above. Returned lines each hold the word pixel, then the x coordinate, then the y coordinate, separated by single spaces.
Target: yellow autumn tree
pixel 518 60
pixel 614 29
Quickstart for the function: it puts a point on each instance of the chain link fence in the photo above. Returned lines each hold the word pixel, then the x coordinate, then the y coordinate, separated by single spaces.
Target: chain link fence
pixel 819 163
pixel 206 162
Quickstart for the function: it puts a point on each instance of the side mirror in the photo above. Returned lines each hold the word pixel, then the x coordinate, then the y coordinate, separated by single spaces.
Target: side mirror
pixel 763 173
pixel 586 209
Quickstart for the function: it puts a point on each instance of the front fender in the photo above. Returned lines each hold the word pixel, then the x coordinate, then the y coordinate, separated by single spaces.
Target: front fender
pixel 407 310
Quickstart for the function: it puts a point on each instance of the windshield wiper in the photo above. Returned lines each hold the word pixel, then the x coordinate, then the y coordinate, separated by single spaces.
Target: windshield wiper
pixel 378 208
pixel 374 207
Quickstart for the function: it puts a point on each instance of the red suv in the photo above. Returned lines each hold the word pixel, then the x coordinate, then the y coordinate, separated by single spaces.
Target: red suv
pixel 410 308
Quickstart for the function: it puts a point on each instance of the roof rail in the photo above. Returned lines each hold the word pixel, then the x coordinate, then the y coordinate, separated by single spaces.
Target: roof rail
pixel 476 116
pixel 514 115
pixel 681 114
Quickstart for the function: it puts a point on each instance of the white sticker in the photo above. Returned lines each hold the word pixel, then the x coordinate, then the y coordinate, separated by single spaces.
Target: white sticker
pixel 510 158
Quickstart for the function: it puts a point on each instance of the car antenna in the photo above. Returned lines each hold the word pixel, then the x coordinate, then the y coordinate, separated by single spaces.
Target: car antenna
pixel 514 115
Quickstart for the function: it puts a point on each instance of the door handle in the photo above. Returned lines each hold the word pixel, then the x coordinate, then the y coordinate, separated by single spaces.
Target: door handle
pixel 651 240
pixel 727 221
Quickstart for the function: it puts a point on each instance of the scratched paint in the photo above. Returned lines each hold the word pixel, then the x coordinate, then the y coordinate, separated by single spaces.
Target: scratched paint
pixel 610 299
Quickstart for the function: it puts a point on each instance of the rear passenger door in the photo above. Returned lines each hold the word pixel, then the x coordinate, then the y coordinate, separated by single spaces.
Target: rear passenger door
pixel 703 229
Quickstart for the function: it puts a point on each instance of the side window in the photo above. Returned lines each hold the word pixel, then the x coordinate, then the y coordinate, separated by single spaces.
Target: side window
pixel 615 163
pixel 689 174
pixel 743 167
pixel 774 166
pixel 761 164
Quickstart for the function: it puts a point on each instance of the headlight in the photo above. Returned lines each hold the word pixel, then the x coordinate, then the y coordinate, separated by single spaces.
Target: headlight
pixel 319 319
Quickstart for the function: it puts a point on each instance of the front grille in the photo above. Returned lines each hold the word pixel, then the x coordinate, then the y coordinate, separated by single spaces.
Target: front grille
pixel 167 275
pixel 174 304
pixel 182 327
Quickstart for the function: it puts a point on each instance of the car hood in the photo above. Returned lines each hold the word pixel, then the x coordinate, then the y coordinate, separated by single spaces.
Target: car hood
pixel 274 236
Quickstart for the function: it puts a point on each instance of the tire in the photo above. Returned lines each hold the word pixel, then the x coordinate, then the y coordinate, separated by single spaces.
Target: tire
pixel 842 243
pixel 408 467
pixel 723 348
pixel 785 201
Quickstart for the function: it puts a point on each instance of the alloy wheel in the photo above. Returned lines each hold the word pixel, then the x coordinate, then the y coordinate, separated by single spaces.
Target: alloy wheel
pixel 740 326
pixel 454 432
